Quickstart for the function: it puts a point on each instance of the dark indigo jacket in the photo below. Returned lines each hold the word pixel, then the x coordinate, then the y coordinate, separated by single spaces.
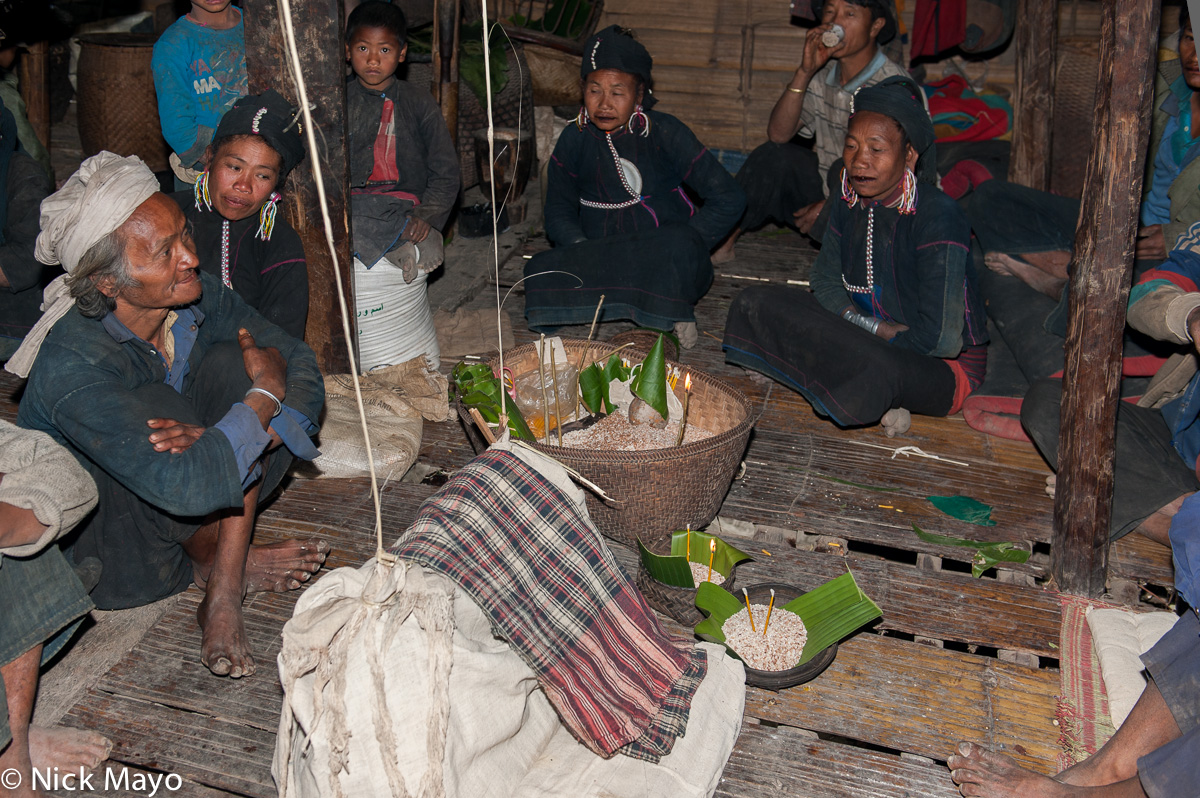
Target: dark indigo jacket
pixel 923 274
pixel 669 158
pixel 79 392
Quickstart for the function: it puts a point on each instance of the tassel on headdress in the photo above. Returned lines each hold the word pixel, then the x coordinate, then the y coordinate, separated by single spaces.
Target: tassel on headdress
pixel 200 192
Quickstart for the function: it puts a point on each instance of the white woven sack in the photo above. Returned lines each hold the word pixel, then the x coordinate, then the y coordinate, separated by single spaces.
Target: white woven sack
pixel 394 320
pixel 395 427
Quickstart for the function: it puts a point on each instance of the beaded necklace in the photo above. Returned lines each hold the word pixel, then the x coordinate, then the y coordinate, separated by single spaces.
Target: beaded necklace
pixel 225 254
pixel 906 203
pixel 624 166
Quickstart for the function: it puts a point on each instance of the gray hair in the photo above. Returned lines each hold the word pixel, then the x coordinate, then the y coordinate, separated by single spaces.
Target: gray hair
pixel 104 260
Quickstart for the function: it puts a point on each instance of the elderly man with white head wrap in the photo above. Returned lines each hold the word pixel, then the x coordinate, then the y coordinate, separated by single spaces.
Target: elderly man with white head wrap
pixel 181 401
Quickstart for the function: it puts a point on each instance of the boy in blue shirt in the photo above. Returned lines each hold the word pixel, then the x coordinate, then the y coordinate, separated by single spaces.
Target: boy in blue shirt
pixel 199 71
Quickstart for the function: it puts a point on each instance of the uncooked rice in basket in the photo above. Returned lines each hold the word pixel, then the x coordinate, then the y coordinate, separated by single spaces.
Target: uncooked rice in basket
pixel 700 574
pixel 779 650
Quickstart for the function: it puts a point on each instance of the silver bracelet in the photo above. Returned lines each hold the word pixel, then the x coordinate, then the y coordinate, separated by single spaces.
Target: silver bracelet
pixel 269 395
pixel 868 323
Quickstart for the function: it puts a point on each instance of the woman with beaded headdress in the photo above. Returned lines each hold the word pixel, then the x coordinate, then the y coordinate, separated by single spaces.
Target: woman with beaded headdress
pixel 634 204
pixel 894 324
pixel 233 209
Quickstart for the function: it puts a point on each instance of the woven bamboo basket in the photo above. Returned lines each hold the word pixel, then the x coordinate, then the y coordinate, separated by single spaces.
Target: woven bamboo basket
pixel 117 107
pixel 657 491
pixel 677 602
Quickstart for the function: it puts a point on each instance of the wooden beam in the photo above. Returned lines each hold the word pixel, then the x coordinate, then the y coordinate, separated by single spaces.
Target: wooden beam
pixel 447 17
pixel 1100 277
pixel 34 76
pixel 320 40
pixel 1036 42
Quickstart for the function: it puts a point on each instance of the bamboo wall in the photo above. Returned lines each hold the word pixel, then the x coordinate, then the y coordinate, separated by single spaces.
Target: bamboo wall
pixel 720 65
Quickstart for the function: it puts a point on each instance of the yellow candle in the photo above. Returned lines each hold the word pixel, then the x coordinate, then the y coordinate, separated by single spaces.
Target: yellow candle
pixel 712 552
pixel 749 611
pixel 770 607
pixel 689 541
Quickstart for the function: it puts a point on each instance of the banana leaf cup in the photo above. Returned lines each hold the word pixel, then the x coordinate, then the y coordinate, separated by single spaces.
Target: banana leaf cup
pixel 830 612
pixel 666 581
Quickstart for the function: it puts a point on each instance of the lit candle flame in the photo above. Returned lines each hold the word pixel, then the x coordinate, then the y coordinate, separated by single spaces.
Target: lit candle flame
pixel 687 382
pixel 712 552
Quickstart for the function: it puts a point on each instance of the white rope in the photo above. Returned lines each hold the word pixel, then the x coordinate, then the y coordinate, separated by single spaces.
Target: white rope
pixel 910 451
pixel 285 9
pixel 491 141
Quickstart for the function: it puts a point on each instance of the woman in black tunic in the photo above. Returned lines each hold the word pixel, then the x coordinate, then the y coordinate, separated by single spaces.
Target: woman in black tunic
pixel 617 211
pixel 232 210
pixel 893 325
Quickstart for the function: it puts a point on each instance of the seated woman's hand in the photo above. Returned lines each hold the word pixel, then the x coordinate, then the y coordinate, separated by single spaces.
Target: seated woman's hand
pixel 416 231
pixel 889 330
pixel 806 217
pixel 173 436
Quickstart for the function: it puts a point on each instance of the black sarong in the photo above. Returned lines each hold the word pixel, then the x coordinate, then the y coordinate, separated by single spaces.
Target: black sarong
pixel 848 374
pixel 779 179
pixel 654 277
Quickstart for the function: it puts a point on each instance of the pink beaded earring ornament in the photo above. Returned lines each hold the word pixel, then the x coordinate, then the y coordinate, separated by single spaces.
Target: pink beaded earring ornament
pixel 849 195
pixel 266 217
pixel 908 195
pixel 200 191
pixel 639 115
pixel 581 119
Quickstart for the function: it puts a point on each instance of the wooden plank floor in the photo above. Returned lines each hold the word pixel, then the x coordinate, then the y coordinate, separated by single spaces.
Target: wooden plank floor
pixel 936 668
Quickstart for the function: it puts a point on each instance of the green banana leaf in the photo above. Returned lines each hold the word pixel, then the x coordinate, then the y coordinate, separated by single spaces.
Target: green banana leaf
pixel 650 384
pixel 477 388
pixel 673 569
pixel 830 612
pixel 987 553
pixel 964 508
pixel 594 380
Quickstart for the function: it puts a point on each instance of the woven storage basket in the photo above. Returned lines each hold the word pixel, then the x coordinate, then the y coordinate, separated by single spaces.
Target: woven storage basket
pixel 660 490
pixel 117 108
pixel 678 602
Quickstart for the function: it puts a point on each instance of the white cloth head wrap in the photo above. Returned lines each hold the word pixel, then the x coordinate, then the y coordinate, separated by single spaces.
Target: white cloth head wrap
pixel 96 200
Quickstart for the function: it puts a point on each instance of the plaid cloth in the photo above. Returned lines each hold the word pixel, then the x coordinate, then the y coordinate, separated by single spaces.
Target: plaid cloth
pixel 520 548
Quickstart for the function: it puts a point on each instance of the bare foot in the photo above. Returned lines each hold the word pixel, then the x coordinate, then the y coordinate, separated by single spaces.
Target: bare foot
pixel 67 749
pixel 224 649
pixel 758 378
pixel 1158 526
pixel 1035 278
pixel 979 772
pixel 279 567
pixel 687 333
pixel 1051 485
pixel 896 421
pixel 725 253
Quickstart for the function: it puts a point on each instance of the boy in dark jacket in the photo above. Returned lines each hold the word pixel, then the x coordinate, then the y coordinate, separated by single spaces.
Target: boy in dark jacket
pixel 404 173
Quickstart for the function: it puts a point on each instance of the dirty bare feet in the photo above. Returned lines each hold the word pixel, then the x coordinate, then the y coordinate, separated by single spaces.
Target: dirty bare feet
pixel 979 772
pixel 1051 485
pixel 1041 281
pixel 758 378
pixel 896 421
pixel 67 749
pixel 687 333
pixel 224 649
pixel 279 567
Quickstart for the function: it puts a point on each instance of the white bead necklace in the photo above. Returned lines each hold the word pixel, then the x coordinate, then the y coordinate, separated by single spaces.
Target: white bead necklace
pixel 619 162
pixel 869 288
pixel 225 253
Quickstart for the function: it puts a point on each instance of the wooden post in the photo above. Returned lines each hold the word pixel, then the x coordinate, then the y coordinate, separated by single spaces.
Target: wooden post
pixel 34 76
pixel 447 16
pixel 1100 277
pixel 1036 41
pixel 320 40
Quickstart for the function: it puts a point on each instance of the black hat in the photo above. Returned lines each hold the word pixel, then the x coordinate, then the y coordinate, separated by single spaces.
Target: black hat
pixel 615 48
pixel 270 116
pixel 900 98
pixel 885 9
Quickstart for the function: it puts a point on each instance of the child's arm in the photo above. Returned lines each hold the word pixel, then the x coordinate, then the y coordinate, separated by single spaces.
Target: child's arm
pixel 177 101
pixel 441 188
